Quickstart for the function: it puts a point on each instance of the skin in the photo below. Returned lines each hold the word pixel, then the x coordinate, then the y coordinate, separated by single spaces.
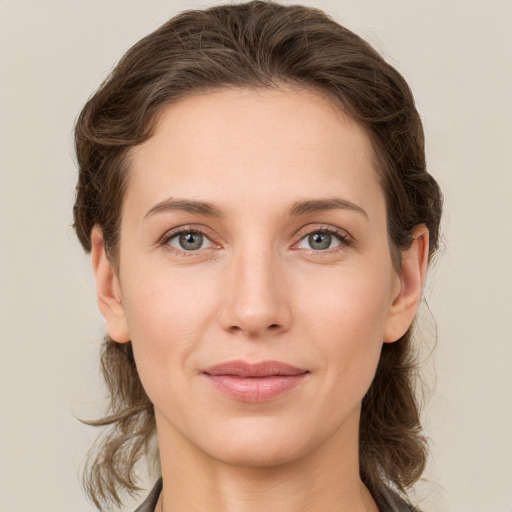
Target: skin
pixel 257 290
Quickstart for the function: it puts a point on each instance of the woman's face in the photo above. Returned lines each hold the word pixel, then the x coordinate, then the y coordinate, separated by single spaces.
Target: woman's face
pixel 254 231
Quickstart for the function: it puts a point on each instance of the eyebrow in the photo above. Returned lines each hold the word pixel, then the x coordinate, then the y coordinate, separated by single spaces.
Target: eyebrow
pixel 185 205
pixel 296 209
pixel 321 205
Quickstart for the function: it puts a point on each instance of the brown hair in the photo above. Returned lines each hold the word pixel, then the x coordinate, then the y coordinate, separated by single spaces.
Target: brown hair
pixel 256 44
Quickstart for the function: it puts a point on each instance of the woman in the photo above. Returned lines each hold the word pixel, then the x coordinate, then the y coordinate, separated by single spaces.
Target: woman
pixel 253 191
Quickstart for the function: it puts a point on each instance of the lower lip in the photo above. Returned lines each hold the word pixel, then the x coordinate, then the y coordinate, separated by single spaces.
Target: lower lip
pixel 255 389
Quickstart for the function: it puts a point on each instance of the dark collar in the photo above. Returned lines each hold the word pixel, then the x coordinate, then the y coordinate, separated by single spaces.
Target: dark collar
pixel 149 504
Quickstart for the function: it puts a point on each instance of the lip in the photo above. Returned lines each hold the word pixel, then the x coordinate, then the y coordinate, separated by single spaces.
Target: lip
pixel 254 382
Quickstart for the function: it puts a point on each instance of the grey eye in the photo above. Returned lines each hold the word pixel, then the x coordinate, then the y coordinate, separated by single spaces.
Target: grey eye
pixel 319 241
pixel 189 241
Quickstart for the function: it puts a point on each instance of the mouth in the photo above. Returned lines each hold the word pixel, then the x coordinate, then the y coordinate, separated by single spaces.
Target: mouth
pixel 254 382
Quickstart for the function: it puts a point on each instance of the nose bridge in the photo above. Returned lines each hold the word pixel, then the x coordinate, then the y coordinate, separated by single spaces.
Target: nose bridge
pixel 256 298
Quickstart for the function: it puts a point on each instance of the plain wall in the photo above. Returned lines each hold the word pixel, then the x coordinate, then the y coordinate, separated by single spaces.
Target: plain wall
pixel 457 57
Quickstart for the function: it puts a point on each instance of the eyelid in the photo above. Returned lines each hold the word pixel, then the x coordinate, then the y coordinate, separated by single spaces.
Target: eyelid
pixel 187 228
pixel 344 238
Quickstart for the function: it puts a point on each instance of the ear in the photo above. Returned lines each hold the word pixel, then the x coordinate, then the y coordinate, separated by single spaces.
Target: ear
pixel 411 278
pixel 108 291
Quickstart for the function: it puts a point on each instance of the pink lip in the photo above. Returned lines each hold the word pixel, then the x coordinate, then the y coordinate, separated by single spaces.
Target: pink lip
pixel 257 382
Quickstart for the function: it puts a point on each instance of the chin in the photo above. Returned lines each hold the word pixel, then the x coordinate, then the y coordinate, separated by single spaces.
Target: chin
pixel 258 444
pixel 255 455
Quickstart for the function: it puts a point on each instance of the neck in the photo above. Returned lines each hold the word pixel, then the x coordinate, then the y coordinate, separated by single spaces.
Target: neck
pixel 326 478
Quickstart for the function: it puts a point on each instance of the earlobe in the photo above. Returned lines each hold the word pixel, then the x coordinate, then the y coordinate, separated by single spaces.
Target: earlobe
pixel 412 277
pixel 108 291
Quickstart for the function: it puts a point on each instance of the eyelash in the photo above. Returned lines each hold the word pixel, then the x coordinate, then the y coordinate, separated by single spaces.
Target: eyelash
pixel 344 240
pixel 185 229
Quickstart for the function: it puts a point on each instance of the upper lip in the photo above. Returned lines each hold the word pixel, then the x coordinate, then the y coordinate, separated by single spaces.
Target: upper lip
pixel 262 369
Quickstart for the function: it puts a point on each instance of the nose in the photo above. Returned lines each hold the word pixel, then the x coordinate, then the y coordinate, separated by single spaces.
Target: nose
pixel 256 297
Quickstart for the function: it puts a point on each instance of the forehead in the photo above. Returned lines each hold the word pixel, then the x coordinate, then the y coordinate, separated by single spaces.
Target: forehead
pixel 254 145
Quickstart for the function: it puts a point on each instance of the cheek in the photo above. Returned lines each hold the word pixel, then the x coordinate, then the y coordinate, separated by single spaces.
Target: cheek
pixel 346 318
pixel 354 304
pixel 156 292
pixel 167 313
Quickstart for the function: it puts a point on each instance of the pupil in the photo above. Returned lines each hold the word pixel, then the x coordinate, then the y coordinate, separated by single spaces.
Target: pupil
pixel 191 241
pixel 320 241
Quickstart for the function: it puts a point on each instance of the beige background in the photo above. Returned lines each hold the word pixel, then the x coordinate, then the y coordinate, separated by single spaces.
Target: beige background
pixel 457 56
